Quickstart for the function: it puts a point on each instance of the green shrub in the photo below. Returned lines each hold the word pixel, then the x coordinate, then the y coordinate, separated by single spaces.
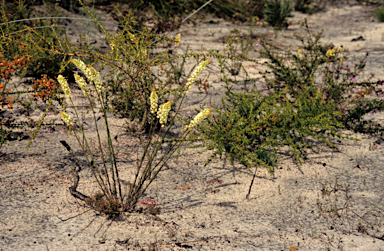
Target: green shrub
pixel 302 5
pixel 298 106
pixel 249 130
pixel 248 123
pixel 379 13
pixel 276 12
pixel 326 63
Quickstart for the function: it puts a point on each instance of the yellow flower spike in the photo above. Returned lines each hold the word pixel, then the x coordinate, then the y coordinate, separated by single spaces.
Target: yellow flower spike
pixel 339 49
pixel 199 117
pixel 299 51
pixel 154 101
pixel 83 85
pixel 66 118
pixel 177 42
pixel 64 85
pixel 96 79
pixel 83 67
pixel 342 59
pixel 162 114
pixel 195 74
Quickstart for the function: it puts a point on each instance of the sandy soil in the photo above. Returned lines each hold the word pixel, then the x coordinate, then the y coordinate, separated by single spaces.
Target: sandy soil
pixel 286 212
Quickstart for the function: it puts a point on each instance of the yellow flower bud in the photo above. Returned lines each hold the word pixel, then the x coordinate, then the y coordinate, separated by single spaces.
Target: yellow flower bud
pixel 83 67
pixel 64 85
pixel 299 51
pixel 163 111
pixel 96 79
pixel 177 42
pixel 66 118
pixel 196 73
pixel 83 85
pixel 154 101
pixel 199 117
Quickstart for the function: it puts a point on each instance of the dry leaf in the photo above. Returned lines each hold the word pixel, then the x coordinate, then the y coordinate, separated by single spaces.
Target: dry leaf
pixel 182 187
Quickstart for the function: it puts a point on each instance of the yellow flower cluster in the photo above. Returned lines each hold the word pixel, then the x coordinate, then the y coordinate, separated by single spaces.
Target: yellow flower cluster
pixel 299 51
pixel 112 45
pixel 331 52
pixel 154 101
pixel 199 117
pixel 82 84
pixel 162 114
pixel 96 79
pixel 143 51
pixel 196 73
pixel 131 36
pixel 64 85
pixel 66 118
pixel 83 67
pixel 177 42
pixel 91 74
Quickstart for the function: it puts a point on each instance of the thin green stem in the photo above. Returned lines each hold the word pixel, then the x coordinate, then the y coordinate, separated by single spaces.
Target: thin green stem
pixel 112 155
pixel 101 148
pixel 155 174
pixel 147 170
pixel 101 181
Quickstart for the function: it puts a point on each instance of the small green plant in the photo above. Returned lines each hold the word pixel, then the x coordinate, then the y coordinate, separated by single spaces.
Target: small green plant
pixel 379 13
pixel 373 146
pixel 276 12
pixel 238 48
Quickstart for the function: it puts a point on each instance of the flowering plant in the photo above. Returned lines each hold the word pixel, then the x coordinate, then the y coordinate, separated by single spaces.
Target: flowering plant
pixel 115 200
